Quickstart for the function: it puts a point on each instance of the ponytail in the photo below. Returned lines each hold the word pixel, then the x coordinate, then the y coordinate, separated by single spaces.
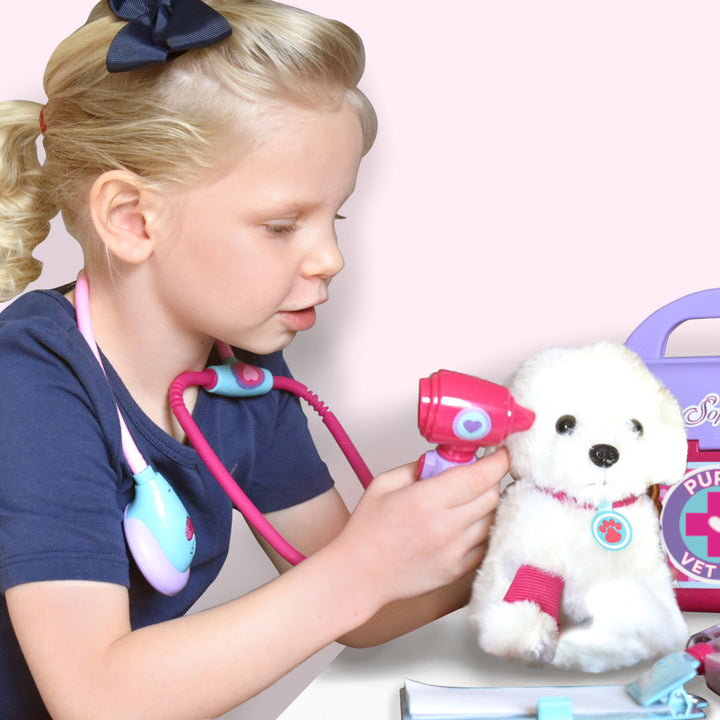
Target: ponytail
pixel 25 208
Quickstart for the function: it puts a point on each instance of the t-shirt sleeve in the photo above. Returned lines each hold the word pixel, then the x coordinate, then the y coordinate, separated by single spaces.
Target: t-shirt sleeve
pixel 60 510
pixel 287 469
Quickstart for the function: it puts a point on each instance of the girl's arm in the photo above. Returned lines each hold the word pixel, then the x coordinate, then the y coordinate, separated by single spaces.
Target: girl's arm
pixel 312 525
pixel 404 539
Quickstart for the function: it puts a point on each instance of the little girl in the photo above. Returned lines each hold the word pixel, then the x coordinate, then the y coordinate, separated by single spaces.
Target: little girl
pixel 200 154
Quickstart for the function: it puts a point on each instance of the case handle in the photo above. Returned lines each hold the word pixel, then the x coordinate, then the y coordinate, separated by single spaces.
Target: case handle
pixel 650 338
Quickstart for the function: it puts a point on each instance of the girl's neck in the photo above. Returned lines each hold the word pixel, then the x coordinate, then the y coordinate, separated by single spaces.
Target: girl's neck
pixel 144 348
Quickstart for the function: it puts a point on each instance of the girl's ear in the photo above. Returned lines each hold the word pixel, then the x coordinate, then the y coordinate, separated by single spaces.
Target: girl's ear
pixel 121 209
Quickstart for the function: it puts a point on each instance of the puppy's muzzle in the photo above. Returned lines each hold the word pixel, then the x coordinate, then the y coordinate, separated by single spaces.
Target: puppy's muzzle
pixel 604 456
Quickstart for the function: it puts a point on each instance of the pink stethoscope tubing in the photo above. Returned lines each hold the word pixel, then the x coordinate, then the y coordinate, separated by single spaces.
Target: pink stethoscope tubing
pixel 133 456
pixel 207 380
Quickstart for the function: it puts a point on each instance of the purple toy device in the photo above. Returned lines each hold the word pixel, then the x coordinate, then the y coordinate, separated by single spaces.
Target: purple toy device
pixel 690 509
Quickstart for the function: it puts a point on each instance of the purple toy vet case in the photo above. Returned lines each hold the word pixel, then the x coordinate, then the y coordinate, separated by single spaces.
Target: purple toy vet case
pixel 690 515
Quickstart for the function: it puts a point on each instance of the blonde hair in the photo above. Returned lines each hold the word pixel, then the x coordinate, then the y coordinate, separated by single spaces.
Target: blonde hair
pixel 170 123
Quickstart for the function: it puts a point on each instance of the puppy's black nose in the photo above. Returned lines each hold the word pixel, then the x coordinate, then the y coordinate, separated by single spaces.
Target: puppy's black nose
pixel 604 456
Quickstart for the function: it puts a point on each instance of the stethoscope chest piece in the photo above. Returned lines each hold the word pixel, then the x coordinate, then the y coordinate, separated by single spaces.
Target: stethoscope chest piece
pixel 159 533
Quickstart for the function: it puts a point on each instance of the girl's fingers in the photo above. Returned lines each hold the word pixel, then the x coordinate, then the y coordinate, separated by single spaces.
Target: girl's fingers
pixel 479 508
pixel 466 483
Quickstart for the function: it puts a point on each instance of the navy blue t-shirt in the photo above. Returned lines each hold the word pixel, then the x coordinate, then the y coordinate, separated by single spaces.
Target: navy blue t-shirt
pixel 64 482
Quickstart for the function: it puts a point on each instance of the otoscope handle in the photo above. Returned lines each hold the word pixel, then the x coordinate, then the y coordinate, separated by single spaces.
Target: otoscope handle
pixel 433 463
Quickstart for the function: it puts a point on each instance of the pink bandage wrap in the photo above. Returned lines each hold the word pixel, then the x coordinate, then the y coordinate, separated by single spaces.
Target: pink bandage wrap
pixel 537 586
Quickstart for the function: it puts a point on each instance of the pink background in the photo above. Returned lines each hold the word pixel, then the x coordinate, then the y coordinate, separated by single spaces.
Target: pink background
pixel 546 173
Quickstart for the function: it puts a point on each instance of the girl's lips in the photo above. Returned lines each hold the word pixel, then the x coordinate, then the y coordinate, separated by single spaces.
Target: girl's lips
pixel 299 319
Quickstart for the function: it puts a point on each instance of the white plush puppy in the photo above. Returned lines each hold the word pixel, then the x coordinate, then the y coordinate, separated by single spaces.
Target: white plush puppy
pixel 575 574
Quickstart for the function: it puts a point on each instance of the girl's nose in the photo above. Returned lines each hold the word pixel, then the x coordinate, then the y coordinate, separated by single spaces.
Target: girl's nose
pixel 324 258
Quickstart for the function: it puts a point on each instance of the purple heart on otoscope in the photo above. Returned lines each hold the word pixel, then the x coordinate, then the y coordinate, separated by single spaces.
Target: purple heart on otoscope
pixel 472 426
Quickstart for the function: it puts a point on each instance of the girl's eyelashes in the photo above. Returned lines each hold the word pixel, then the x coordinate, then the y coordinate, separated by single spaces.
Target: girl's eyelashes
pixel 279 229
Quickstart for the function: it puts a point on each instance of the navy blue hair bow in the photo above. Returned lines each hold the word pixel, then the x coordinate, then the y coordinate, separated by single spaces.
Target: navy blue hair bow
pixel 160 30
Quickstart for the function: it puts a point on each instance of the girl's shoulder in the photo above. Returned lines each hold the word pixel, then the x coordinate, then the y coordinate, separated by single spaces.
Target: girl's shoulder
pixel 38 313
pixel 41 347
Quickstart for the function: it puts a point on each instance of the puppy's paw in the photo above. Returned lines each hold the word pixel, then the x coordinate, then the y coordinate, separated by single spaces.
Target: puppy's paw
pixel 518 630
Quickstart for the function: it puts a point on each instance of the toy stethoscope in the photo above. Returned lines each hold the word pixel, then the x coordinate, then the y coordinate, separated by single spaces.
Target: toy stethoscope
pixel 158 528
pixel 459 412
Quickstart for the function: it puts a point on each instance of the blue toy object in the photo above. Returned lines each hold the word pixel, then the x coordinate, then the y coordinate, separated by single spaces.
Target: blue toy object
pixel 657 693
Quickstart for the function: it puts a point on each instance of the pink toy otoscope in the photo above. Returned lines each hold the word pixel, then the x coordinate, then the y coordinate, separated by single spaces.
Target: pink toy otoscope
pixel 462 413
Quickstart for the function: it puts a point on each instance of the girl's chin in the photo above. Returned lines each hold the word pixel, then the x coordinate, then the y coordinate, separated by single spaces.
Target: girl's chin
pixel 278 333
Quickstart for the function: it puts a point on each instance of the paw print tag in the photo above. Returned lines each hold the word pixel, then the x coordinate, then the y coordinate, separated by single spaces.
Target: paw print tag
pixel 610 529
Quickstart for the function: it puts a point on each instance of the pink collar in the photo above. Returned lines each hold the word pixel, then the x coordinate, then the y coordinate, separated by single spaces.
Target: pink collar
pixel 566 499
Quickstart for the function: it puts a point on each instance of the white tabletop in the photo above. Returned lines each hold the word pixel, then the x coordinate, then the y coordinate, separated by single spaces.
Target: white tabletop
pixel 364 684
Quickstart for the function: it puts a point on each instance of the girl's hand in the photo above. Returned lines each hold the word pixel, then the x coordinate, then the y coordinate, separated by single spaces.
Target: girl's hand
pixel 408 537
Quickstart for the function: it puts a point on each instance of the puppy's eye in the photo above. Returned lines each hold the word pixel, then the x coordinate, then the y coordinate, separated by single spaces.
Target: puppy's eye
pixel 565 425
pixel 637 427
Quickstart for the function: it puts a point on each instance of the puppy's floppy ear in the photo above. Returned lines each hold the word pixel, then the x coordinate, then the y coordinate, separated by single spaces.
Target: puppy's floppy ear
pixel 122 209
pixel 669 459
